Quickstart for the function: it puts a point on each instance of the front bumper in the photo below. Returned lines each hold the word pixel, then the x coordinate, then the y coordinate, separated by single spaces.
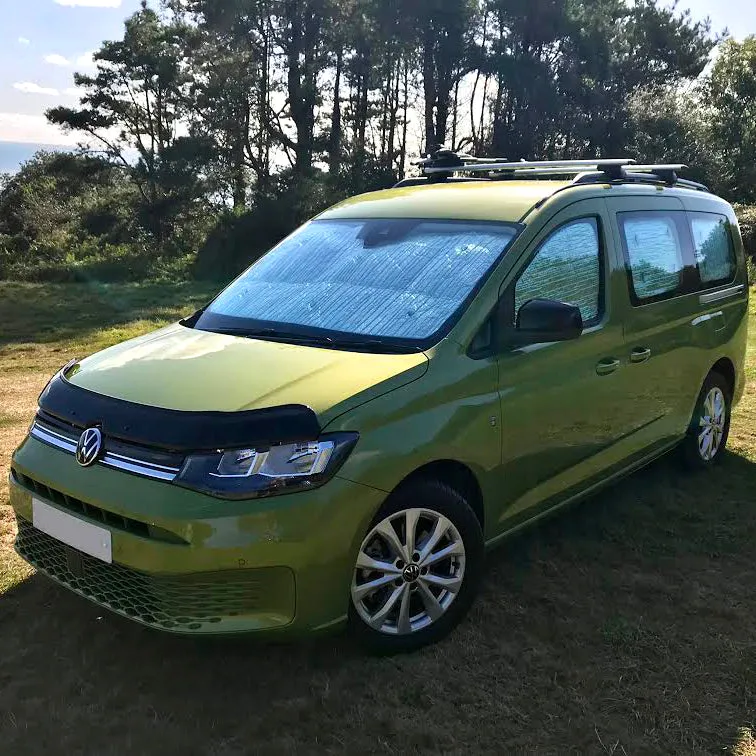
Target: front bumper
pixel 187 562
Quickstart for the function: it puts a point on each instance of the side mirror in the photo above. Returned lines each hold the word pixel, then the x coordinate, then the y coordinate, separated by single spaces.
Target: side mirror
pixel 545 320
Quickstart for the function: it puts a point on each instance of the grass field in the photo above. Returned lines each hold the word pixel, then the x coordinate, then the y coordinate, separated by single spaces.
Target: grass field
pixel 625 626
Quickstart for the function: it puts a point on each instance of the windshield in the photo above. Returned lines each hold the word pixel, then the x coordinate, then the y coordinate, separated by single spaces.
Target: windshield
pixel 380 278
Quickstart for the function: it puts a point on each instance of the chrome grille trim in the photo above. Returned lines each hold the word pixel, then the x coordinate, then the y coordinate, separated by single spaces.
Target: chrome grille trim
pixel 140 462
pixel 138 469
pixel 53 439
pixel 109 459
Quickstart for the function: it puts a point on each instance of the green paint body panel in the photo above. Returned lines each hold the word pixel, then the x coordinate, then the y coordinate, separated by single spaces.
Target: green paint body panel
pixel 315 534
pixel 185 369
pixel 536 425
pixel 470 201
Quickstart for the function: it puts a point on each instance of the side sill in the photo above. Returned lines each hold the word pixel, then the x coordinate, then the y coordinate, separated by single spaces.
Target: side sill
pixel 587 493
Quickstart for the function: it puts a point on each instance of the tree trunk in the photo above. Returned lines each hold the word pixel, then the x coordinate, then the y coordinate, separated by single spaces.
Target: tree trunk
pixel 482 122
pixel 405 118
pixel 430 92
pixel 239 174
pixel 361 117
pixel 455 107
pixel 392 118
pixel 444 85
pixel 386 92
pixel 264 126
pixel 301 76
pixel 334 139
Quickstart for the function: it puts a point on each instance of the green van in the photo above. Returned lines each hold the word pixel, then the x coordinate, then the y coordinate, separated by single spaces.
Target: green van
pixel 401 383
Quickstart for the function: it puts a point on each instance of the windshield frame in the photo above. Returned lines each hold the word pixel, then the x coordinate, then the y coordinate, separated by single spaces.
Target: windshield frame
pixel 204 320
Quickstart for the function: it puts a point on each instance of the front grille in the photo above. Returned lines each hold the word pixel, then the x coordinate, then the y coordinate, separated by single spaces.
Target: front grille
pixel 121 455
pixel 79 507
pixel 192 602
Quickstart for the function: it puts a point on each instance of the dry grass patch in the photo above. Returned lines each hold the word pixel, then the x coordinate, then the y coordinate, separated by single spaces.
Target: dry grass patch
pixel 746 743
pixel 44 326
pixel 627 625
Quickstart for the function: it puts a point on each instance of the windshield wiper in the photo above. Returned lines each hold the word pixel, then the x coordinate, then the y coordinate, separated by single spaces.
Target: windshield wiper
pixel 375 345
pixel 275 334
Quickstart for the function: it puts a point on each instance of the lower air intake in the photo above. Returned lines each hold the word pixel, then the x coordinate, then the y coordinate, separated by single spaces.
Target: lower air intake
pixel 197 602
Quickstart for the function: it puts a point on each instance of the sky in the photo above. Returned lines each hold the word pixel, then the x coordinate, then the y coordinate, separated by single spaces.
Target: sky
pixel 42 42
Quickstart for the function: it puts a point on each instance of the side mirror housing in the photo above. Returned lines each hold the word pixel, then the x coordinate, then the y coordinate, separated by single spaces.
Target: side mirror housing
pixel 545 320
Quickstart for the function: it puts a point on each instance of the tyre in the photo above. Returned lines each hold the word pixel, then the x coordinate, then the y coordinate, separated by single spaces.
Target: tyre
pixel 709 428
pixel 418 569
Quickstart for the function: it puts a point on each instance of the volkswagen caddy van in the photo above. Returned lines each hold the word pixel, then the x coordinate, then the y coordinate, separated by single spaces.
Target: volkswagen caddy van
pixel 413 375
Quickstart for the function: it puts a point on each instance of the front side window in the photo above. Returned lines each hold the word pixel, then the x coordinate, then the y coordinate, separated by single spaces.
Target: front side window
pixel 654 253
pixel 567 268
pixel 714 251
pixel 384 278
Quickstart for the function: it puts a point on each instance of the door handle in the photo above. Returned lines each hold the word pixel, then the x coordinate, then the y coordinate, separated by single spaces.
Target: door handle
pixel 605 367
pixel 640 355
pixel 719 316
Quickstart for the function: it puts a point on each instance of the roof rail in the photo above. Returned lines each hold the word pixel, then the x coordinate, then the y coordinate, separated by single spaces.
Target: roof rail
pixel 443 164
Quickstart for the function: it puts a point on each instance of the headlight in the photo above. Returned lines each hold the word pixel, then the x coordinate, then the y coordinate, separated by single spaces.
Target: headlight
pixel 246 473
pixel 286 461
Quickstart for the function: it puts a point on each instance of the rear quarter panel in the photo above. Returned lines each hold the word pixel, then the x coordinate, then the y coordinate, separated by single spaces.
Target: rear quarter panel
pixel 728 335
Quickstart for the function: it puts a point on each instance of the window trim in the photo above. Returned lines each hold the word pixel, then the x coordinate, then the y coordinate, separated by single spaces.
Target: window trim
pixel 600 236
pixel 689 270
pixel 501 318
pixel 705 286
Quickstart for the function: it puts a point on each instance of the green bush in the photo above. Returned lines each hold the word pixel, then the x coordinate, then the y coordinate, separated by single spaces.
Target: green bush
pixel 238 239
pixel 72 218
pixel 93 260
pixel 68 217
pixel 747 219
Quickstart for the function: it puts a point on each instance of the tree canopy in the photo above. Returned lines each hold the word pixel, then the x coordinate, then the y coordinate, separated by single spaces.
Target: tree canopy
pixel 224 115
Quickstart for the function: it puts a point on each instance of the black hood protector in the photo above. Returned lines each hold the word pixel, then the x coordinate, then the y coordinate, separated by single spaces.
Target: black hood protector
pixel 177 430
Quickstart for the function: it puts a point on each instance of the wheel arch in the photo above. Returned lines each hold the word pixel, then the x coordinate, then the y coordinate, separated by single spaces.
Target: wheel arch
pixel 726 369
pixel 456 475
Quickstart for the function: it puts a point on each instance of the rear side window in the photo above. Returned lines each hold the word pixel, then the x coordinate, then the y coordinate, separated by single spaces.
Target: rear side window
pixel 653 253
pixel 715 254
pixel 567 268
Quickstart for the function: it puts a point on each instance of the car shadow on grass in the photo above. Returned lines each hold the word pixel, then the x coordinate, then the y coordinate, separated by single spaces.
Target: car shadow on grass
pixel 624 623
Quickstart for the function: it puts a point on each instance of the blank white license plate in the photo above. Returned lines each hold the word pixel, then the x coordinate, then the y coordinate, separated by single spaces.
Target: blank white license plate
pixel 72 531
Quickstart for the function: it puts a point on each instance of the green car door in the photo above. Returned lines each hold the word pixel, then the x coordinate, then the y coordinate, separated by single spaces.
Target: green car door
pixel 662 349
pixel 561 403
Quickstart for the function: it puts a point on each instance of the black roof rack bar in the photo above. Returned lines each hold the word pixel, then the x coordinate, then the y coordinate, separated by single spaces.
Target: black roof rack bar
pixel 443 164
pixel 591 177
pixel 606 169
pixel 430 167
pixel 642 177
pixel 666 177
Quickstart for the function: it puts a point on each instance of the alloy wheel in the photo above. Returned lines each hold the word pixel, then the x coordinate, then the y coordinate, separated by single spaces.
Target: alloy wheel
pixel 712 424
pixel 409 570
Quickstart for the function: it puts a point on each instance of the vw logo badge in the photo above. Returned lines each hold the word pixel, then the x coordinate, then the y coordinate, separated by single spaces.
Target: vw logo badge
pixel 411 573
pixel 89 447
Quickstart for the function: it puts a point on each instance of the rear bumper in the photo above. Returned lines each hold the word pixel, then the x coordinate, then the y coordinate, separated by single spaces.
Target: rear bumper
pixel 186 562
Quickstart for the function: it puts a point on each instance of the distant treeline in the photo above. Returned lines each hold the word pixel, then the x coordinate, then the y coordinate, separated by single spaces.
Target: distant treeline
pixel 213 127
